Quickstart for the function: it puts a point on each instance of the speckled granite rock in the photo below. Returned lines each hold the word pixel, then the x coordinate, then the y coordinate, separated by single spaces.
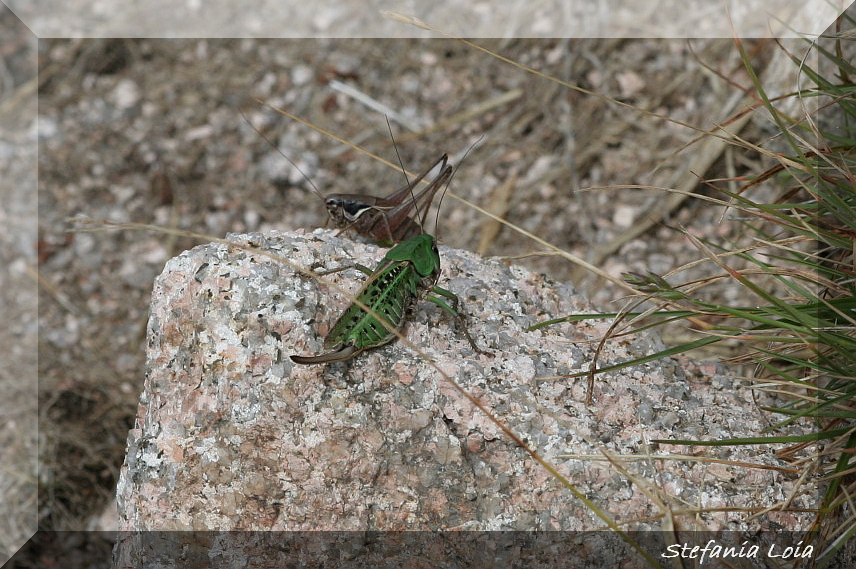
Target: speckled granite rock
pixel 231 434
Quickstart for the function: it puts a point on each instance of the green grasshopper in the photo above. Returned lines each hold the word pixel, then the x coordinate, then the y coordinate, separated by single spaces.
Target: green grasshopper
pixel 384 220
pixel 407 273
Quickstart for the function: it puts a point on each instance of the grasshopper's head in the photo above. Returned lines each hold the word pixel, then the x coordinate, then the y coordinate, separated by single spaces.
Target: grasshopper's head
pixel 344 209
pixel 421 251
pixel 336 212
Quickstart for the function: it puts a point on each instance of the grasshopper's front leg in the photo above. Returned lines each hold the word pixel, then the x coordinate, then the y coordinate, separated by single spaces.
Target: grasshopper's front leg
pixel 459 315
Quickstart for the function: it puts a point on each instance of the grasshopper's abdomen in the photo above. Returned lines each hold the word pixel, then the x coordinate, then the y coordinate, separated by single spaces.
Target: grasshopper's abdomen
pixel 389 294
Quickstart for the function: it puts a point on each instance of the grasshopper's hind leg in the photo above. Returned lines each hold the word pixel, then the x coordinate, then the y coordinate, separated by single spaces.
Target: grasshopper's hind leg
pixel 456 312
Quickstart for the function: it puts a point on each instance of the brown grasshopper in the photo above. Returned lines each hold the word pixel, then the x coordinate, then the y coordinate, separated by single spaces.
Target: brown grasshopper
pixel 384 220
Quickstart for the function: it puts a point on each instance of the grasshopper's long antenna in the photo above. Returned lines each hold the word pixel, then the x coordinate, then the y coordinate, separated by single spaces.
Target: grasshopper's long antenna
pixel 448 183
pixel 281 153
pixel 404 171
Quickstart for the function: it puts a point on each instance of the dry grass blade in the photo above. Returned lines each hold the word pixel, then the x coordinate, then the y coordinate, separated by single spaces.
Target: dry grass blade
pixel 500 200
pixel 375 105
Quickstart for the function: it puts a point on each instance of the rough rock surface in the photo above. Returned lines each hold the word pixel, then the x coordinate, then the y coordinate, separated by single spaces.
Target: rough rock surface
pixel 231 434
